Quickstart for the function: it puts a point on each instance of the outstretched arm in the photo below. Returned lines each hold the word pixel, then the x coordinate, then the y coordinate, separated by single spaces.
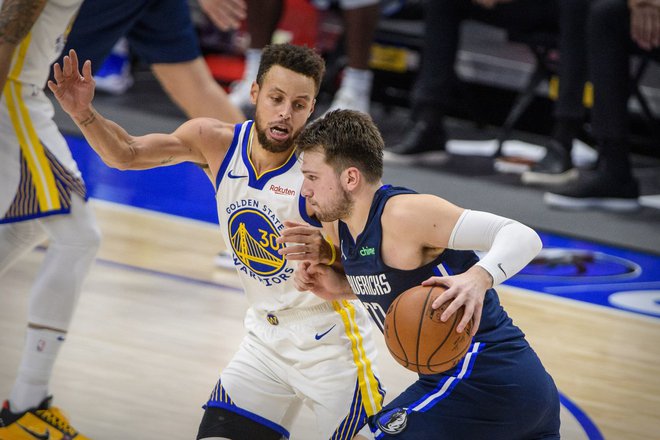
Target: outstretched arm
pixel 16 19
pixel 195 141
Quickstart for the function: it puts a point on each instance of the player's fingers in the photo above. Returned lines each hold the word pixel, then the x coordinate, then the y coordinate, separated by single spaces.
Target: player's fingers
pixel 445 296
pixel 292 236
pixel 66 66
pixel 435 281
pixel 456 303
pixel 476 320
pixel 292 223
pixel 468 313
pixel 52 86
pixel 75 68
pixel 292 249
pixel 57 72
pixel 87 70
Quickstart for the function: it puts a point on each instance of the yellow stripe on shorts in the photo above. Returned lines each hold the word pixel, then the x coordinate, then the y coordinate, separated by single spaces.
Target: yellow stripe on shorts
pixel 33 151
pixel 368 383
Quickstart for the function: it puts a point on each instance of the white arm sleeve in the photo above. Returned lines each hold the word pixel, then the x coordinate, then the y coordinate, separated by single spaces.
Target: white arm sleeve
pixel 510 245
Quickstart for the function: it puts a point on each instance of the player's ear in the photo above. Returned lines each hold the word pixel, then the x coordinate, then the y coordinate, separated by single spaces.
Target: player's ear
pixel 254 91
pixel 352 178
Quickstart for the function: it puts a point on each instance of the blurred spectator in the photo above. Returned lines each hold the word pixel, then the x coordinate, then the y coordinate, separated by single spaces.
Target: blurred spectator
pixel 360 21
pixel 556 167
pixel 610 27
pixel 161 34
pixel 437 77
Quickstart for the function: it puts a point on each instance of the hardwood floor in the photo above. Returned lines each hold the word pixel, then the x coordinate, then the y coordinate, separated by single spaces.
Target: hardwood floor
pixel 157 322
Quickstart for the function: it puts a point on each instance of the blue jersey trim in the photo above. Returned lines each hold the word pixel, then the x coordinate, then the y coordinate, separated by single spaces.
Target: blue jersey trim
pixel 23 218
pixel 302 207
pixel 249 415
pixel 238 129
pixel 259 182
pixel 461 372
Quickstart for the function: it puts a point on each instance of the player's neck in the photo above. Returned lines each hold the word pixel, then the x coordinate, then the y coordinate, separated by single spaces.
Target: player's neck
pixel 357 219
pixel 263 160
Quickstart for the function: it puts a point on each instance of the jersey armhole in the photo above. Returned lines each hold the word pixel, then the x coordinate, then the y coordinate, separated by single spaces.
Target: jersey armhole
pixel 238 134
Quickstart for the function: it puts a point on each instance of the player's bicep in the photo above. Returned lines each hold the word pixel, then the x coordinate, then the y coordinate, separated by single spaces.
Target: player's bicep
pixel 426 219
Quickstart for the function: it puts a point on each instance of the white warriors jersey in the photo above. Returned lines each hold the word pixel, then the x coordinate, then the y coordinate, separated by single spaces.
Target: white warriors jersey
pixel 251 212
pixel 44 43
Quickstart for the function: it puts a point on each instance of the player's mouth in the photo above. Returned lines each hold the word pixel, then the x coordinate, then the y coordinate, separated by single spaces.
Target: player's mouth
pixel 279 132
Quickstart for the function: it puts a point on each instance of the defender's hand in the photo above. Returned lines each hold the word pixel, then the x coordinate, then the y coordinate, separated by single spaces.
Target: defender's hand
pixel 306 243
pixel 72 89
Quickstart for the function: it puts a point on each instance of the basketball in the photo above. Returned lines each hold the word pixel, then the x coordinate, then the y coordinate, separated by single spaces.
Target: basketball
pixel 418 339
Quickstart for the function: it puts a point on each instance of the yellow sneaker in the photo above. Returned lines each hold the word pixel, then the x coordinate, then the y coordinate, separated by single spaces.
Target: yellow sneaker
pixel 44 422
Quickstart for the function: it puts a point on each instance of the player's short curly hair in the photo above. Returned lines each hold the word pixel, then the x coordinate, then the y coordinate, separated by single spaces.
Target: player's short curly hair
pixel 348 139
pixel 299 59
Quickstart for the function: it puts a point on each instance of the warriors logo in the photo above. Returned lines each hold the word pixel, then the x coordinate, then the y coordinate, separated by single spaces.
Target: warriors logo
pixel 253 236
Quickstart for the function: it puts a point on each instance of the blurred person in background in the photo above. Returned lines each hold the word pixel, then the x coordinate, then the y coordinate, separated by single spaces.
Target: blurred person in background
pixel 614 30
pixel 437 81
pixel 161 34
pixel 360 20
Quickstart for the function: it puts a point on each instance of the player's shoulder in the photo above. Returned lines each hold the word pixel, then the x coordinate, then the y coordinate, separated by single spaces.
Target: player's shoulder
pixel 207 131
pixel 408 205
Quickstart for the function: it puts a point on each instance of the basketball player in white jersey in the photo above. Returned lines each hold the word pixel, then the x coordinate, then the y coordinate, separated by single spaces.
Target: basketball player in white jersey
pixel 299 348
pixel 42 196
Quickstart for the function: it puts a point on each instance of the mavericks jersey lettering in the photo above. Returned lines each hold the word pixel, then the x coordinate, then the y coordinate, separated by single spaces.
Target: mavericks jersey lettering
pixel 251 212
pixel 377 285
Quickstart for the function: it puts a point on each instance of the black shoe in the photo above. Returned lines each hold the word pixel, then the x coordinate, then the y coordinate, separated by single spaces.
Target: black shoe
pixel 424 141
pixel 596 190
pixel 556 168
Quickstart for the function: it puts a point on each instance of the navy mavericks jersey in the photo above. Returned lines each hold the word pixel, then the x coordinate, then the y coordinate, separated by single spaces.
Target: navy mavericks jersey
pixel 377 284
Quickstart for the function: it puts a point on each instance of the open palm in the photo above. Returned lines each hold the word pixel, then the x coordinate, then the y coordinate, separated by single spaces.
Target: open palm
pixel 73 90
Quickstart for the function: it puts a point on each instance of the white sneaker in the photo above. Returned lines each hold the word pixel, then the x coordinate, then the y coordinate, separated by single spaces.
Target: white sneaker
pixel 114 76
pixel 347 99
pixel 240 94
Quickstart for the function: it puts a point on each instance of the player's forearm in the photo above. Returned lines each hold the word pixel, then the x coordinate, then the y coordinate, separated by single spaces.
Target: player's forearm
pixel 510 245
pixel 110 141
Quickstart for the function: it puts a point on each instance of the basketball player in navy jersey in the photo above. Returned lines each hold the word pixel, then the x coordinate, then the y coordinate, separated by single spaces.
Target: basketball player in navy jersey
pixel 299 348
pixel 392 239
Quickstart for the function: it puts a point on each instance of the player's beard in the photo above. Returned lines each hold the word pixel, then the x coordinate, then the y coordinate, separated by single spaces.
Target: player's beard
pixel 271 145
pixel 339 209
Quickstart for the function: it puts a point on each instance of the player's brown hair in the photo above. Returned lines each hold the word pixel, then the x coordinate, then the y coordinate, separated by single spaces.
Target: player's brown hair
pixel 347 138
pixel 299 59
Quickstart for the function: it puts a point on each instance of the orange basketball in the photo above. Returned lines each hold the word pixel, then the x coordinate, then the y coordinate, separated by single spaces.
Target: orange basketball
pixel 418 339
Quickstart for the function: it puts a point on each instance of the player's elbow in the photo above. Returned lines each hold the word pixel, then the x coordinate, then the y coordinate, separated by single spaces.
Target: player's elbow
pixel 532 241
pixel 123 159
pixel 121 162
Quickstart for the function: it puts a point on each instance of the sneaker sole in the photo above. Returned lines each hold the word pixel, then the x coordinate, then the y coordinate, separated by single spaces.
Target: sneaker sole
pixel 536 178
pixel 420 158
pixel 607 204
pixel 512 164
